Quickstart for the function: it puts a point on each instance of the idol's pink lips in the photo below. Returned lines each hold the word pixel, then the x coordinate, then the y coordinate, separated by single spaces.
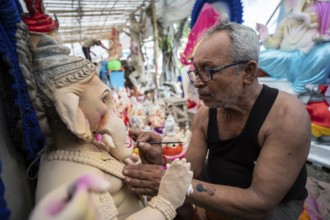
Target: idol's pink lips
pixel 129 142
pixel 102 132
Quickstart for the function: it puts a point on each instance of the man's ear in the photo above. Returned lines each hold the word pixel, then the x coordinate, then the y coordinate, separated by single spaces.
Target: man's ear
pixel 67 106
pixel 250 71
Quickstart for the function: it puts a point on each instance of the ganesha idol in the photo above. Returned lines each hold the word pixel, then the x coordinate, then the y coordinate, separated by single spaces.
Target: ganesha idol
pixel 85 136
pixel 175 142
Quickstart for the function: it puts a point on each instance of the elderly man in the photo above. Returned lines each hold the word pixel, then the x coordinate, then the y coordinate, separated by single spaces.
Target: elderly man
pixel 257 138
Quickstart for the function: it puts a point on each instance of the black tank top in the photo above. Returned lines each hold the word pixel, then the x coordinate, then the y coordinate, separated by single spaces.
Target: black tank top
pixel 231 162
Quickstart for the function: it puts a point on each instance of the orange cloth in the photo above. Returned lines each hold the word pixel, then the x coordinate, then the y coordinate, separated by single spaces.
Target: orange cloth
pixel 304 215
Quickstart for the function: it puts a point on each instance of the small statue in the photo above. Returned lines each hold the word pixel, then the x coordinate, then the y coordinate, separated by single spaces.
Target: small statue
pixel 173 145
pixel 137 29
pixel 89 138
pixel 114 45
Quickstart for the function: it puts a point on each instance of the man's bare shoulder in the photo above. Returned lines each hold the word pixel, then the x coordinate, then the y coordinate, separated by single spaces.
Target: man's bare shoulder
pixel 289 105
pixel 287 116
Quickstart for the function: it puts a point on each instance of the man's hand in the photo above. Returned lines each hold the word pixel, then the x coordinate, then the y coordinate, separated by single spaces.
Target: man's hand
pixel 149 153
pixel 143 179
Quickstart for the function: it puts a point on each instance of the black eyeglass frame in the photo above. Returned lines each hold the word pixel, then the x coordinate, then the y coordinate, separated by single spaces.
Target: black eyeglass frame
pixel 211 71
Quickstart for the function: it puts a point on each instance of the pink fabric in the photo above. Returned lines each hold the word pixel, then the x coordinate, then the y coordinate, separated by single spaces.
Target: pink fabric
pixel 207 18
pixel 323 13
pixel 317 203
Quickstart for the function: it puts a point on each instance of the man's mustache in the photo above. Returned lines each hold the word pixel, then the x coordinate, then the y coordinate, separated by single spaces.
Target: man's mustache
pixel 203 93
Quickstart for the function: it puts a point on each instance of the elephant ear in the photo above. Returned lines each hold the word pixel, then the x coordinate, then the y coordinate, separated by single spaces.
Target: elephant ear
pixel 67 106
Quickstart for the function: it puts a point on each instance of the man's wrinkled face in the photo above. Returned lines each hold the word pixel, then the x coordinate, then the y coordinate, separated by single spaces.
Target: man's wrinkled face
pixel 226 85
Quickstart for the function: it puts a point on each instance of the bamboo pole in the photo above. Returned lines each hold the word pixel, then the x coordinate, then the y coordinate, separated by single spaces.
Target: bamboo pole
pixel 278 6
pixel 155 32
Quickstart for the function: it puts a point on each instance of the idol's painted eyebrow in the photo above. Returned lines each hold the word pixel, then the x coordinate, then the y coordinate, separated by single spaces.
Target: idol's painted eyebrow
pixel 106 92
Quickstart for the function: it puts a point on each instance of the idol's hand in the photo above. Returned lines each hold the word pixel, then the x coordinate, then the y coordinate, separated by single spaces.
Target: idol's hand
pixel 263 31
pixel 175 183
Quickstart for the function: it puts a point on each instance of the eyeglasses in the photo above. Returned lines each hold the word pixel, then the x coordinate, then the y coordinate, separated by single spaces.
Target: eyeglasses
pixel 207 73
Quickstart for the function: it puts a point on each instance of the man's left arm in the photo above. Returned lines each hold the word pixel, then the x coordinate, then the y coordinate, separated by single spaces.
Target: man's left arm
pixel 285 140
pixel 285 144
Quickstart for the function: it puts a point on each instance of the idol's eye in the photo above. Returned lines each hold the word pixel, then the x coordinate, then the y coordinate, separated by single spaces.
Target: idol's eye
pixel 105 97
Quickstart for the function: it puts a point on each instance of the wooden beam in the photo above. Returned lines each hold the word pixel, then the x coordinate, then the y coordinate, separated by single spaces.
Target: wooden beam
pixel 73 16
pixel 68 30
pixel 77 38
pixel 95 24
pixel 85 32
pixel 89 21
pixel 84 28
pixel 92 5
pixel 60 11
pixel 74 35
pixel 100 27
pixel 57 2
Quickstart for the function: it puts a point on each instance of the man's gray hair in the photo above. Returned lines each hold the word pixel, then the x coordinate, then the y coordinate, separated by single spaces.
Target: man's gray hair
pixel 244 39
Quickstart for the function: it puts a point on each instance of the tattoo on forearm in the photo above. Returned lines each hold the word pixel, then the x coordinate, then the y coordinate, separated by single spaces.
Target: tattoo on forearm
pixel 200 188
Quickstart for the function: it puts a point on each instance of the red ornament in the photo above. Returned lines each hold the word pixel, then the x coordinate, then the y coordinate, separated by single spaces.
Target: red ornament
pixel 172 150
